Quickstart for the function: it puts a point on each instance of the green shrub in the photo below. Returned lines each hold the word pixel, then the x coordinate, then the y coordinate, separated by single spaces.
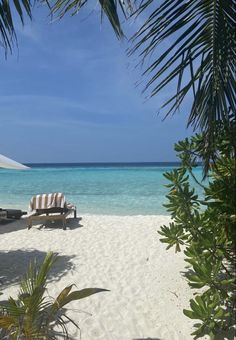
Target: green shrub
pixel 206 228
pixel 33 316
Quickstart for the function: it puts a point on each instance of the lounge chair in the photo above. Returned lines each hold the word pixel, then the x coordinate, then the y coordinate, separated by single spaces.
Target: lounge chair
pixel 50 207
pixel 11 214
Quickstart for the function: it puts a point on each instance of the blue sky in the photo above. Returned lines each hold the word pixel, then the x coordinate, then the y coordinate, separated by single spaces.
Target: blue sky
pixel 68 94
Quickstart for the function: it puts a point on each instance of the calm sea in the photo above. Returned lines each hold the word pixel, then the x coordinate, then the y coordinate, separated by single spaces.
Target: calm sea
pixel 116 189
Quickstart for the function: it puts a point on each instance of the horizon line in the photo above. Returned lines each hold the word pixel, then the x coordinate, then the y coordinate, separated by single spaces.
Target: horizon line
pixel 105 163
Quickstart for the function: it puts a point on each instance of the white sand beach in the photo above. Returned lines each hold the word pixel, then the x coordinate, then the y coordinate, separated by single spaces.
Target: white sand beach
pixel 121 253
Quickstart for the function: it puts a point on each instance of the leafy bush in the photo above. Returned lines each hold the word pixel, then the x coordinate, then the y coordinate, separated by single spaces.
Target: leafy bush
pixel 206 229
pixel 32 316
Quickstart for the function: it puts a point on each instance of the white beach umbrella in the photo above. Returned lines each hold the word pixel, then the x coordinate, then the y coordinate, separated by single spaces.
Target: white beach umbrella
pixel 8 163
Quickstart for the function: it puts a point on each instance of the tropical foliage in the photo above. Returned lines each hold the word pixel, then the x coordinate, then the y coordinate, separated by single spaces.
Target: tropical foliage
pixel 23 8
pixel 108 7
pixel 33 316
pixel 7 25
pixel 205 228
pixel 196 40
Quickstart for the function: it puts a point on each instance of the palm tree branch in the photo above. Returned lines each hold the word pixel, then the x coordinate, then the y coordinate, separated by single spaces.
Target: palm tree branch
pixel 201 35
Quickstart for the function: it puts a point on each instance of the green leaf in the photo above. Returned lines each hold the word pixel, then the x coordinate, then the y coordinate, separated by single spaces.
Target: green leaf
pixel 190 314
pixel 80 294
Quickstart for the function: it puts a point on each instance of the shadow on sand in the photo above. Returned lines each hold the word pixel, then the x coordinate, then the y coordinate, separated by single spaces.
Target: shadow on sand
pixel 147 339
pixel 10 226
pixel 71 224
pixel 14 264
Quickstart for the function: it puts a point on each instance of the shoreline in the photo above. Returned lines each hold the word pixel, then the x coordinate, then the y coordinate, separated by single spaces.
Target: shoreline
pixel 148 290
pixel 25 206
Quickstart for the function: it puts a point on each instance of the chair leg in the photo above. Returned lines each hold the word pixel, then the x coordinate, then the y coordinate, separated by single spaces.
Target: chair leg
pixel 29 224
pixel 64 223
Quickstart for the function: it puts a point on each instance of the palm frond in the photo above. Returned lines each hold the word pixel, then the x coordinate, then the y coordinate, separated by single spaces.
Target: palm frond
pixel 108 7
pixel 66 297
pixel 7 28
pixel 23 8
pixel 33 315
pixel 192 44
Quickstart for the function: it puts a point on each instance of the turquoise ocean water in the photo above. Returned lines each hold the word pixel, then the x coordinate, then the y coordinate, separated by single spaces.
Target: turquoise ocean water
pixel 115 189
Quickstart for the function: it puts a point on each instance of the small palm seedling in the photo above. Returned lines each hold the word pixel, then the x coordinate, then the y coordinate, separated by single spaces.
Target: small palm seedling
pixel 33 315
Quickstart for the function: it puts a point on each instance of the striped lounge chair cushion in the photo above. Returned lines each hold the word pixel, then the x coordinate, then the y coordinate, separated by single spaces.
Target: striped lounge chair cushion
pixel 47 201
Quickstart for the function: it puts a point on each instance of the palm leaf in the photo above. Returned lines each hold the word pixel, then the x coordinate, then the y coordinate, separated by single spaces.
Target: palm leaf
pixel 198 57
pixel 37 275
pixel 108 7
pixel 7 28
pixel 65 297
pixel 33 315
pixel 6 322
pixel 45 268
pixel 23 8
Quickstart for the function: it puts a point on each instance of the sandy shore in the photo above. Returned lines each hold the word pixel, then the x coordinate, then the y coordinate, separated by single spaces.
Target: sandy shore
pixel 119 253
